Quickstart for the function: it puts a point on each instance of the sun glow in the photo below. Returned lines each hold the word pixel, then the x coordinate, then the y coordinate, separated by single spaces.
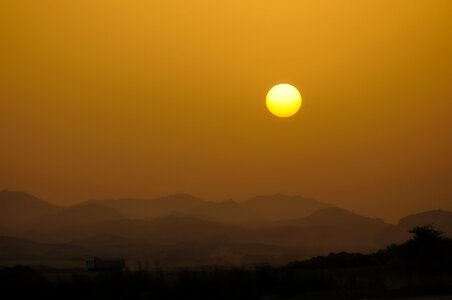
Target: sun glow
pixel 283 100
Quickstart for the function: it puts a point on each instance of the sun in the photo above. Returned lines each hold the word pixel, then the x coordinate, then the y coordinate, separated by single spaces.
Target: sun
pixel 283 100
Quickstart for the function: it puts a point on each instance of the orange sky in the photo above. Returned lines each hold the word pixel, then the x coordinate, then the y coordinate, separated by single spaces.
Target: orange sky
pixel 143 98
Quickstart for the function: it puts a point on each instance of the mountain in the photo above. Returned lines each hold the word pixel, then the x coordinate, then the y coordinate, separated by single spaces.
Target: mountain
pixel 151 208
pixel 19 251
pixel 159 221
pixel 281 207
pixel 330 229
pixel 18 207
pixel 78 215
pixel 207 251
pixel 184 230
pixel 170 229
pixel 440 219
pixel 227 212
pixel 339 217
pixel 105 241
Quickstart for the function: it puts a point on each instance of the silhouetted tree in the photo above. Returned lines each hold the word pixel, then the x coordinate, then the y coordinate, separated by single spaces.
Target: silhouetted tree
pixel 426 234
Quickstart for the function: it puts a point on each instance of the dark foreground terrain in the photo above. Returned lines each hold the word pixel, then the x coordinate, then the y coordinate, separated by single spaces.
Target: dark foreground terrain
pixel 422 266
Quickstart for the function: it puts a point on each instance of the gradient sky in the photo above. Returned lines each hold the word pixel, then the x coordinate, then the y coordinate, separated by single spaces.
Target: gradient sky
pixel 140 98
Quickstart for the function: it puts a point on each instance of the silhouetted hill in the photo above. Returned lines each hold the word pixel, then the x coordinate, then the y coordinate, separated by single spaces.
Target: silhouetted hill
pixel 19 207
pixel 82 214
pixel 441 219
pixel 186 230
pixel 176 229
pixel 228 212
pixel 171 229
pixel 335 216
pixel 333 229
pixel 19 251
pixel 281 207
pixel 324 231
pixel 151 208
pixel 105 240
pixel 336 230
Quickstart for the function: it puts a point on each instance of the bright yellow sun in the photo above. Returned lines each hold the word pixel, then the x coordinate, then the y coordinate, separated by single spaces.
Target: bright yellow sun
pixel 283 100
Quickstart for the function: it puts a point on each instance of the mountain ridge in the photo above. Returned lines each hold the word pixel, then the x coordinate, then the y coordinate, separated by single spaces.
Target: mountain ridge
pixel 221 231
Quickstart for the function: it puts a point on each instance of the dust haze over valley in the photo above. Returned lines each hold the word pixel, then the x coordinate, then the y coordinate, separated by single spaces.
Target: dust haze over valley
pixel 182 230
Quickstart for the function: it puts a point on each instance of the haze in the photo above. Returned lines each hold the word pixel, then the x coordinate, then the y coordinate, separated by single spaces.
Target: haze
pixel 107 99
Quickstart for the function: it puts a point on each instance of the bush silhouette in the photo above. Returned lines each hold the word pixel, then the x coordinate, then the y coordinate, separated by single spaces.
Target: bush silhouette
pixel 426 234
pixel 427 249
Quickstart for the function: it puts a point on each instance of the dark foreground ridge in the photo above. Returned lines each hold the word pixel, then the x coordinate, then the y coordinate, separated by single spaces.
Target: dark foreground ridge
pixel 420 266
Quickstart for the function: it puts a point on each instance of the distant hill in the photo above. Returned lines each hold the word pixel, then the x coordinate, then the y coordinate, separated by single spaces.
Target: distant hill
pixel 187 230
pixel 82 214
pixel 440 219
pixel 105 240
pixel 252 211
pixel 334 230
pixel 171 229
pixel 340 229
pixel 19 251
pixel 151 208
pixel 227 212
pixel 330 229
pixel 281 207
pixel 335 216
pixel 18 207
pixel 205 251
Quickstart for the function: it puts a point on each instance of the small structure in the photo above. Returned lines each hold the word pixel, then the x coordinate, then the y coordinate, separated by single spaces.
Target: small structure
pixel 97 264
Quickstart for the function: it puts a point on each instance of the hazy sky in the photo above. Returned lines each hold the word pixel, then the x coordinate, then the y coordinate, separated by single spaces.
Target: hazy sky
pixel 143 98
